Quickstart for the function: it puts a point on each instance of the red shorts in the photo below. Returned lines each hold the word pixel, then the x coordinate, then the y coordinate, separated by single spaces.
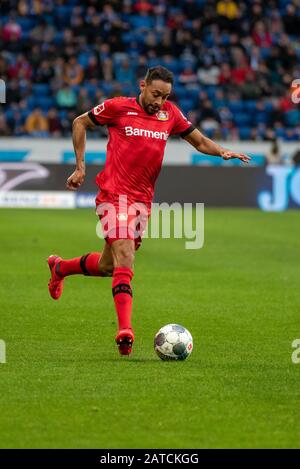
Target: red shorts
pixel 122 218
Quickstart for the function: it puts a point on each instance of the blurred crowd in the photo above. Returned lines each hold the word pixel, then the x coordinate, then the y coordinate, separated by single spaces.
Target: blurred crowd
pixel 234 62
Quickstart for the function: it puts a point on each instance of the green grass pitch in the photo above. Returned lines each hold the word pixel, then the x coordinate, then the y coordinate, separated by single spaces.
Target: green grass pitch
pixel 64 384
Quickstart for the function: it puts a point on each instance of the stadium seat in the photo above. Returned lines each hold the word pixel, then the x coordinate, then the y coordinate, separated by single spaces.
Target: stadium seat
pixel 41 89
pixel 241 119
pixel 45 103
pixel 235 106
pixel 260 117
pixel 245 133
pixel 292 118
pixel 186 104
pixel 250 105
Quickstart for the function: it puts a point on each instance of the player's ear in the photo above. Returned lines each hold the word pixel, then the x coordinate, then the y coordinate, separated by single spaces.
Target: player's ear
pixel 142 85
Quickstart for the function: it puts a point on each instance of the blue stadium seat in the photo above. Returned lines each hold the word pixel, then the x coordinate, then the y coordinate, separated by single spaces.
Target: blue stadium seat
pixel 62 114
pixel 269 106
pixel 211 91
pixel 250 105
pixel 41 89
pixel 242 119
pixel 26 23
pixel 245 133
pixel 45 103
pixel 260 117
pixel 31 102
pixel 292 118
pixel 235 106
pixel 180 92
pixel 280 133
pixel 186 104
pixel 91 88
pixel 106 87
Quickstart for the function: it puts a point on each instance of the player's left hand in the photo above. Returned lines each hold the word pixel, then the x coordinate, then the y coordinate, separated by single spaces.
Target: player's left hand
pixel 228 155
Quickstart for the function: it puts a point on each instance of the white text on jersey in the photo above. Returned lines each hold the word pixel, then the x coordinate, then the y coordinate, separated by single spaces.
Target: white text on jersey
pixel 146 133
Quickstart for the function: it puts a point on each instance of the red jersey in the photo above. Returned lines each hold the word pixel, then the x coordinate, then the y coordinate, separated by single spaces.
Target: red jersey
pixel 136 145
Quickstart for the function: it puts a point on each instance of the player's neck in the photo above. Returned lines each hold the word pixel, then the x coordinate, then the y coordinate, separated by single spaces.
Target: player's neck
pixel 139 101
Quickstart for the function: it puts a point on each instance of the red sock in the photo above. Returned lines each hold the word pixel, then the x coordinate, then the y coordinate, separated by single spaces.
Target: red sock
pixel 84 265
pixel 122 294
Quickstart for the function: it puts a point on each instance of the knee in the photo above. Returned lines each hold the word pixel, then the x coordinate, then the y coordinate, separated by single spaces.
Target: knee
pixel 124 255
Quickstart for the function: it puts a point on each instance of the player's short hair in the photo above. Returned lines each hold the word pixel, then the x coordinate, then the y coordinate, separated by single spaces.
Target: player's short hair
pixel 159 73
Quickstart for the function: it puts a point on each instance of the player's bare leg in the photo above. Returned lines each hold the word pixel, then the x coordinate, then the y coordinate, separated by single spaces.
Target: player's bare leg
pixel 93 264
pixel 123 251
pixel 106 265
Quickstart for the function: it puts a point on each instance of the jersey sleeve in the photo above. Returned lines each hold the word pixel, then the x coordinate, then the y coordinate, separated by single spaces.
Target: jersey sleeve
pixel 182 126
pixel 105 113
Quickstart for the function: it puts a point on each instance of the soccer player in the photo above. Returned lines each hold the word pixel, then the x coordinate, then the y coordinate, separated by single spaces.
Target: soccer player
pixel 138 131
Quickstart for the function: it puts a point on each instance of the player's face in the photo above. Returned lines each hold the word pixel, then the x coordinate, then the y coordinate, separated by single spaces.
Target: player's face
pixel 154 95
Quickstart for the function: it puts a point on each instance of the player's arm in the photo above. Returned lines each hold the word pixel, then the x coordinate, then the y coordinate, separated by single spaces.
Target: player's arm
pixel 80 126
pixel 207 146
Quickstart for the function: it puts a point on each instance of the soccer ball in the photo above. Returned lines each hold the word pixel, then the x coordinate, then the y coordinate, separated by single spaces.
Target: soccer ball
pixel 173 342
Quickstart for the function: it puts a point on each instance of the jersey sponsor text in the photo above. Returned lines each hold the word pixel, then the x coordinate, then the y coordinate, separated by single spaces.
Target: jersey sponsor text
pixel 146 133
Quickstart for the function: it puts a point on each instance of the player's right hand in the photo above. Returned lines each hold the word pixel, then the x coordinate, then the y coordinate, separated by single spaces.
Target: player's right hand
pixel 75 180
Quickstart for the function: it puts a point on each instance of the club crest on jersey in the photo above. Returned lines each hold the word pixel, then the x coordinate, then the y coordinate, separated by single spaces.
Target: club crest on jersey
pixel 98 109
pixel 162 115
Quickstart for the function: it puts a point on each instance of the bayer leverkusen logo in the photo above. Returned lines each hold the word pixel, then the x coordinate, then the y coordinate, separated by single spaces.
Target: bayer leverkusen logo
pixel 162 115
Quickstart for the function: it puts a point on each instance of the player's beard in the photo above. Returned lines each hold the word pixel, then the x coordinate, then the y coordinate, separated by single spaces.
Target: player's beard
pixel 149 108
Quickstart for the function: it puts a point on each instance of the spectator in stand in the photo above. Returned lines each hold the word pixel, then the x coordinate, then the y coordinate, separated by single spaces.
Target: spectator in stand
pixel 225 77
pixel 188 76
pixel 4 128
pixel 66 98
pixel 20 68
pixel 141 67
pixel 291 20
pixel 228 9
pixel 13 93
pixel 84 103
pixel 42 33
pixel 36 124
pixel 228 12
pixel 92 70
pixel 73 72
pixel 12 30
pixel 44 72
pixel 240 73
pixel 261 36
pixel 274 155
pixel 54 123
pixel 249 89
pixel 209 74
pixel 209 118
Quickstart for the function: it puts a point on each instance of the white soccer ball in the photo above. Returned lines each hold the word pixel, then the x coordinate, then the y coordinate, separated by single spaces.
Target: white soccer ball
pixel 173 342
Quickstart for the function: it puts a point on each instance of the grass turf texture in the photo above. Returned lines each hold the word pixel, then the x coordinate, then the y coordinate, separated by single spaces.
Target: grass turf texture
pixel 64 383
